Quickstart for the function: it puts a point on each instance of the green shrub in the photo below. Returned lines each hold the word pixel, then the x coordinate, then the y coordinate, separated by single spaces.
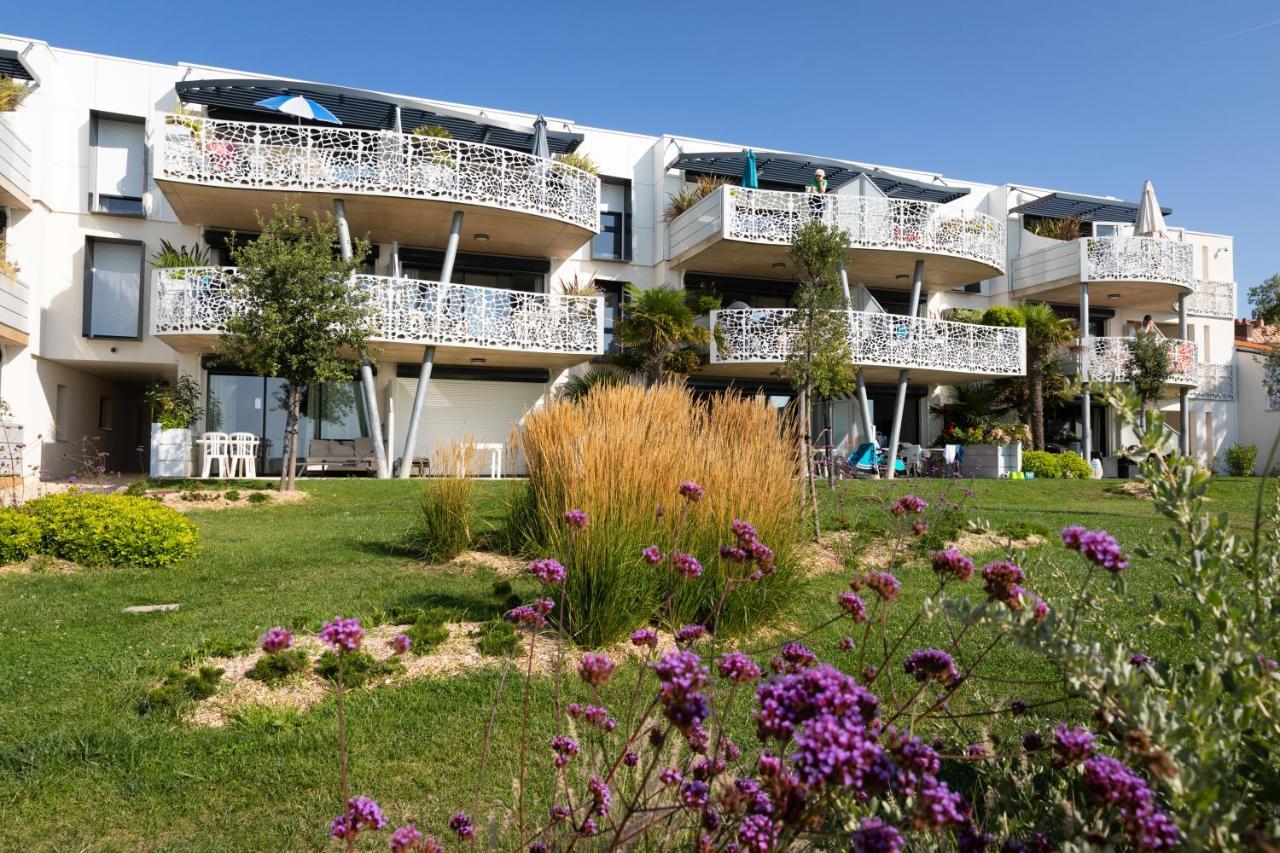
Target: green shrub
pixel 138 488
pixel 442 529
pixel 1074 467
pixel 179 686
pixel 498 639
pixel 113 530
pixel 1003 315
pixel 19 536
pixel 427 632
pixel 259 498
pixel 965 315
pixel 1024 530
pixel 1240 459
pixel 1042 463
pixel 232 495
pixel 271 669
pixel 358 668
pixel 501 589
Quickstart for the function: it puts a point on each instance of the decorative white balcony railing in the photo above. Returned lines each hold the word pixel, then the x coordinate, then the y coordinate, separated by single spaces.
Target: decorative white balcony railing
pixel 1138 259
pixel 1213 299
pixel 1214 382
pixel 770 216
pixel 1109 360
pixel 377 162
pixel 878 339
pixel 199 301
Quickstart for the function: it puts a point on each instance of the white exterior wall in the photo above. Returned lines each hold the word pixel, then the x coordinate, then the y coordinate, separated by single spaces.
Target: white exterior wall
pixel 48 242
pixel 1259 414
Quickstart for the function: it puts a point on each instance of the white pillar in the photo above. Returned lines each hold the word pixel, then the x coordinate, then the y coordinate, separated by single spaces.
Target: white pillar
pixel 1086 350
pixel 1184 415
pixel 415 414
pixel 366 369
pixel 903 375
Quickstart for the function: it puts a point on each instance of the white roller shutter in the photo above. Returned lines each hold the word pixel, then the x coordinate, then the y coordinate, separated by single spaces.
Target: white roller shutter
pixel 116 289
pixel 120 167
pixel 482 410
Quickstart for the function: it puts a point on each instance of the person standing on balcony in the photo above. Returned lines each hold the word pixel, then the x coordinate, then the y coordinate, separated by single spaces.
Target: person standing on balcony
pixel 817 188
pixel 1148 326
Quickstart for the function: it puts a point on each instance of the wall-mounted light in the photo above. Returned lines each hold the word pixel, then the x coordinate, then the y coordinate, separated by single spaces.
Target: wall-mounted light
pixel 480 237
pixel 779 266
pixel 1114 296
pixel 477 360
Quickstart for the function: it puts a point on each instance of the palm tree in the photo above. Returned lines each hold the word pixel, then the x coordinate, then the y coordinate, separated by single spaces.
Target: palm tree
pixel 599 376
pixel 661 330
pixel 969 405
pixel 1047 333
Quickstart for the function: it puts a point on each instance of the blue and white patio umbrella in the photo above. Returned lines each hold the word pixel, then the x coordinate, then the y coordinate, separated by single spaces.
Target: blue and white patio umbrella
pixel 297 105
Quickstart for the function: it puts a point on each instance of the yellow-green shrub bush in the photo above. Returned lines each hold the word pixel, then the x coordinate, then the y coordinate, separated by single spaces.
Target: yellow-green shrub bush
pixel 19 536
pixel 112 530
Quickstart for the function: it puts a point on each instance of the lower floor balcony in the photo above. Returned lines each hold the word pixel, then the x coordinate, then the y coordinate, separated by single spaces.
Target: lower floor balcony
pixel 754 342
pixel 467 324
pixel 1111 360
pixel 14 310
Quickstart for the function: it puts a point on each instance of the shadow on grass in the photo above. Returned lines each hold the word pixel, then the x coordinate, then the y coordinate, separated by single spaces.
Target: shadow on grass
pixel 468 608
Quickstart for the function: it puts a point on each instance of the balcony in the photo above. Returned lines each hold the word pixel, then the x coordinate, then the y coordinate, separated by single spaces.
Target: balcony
pixel 15 168
pixel 1109 361
pixel 1214 382
pixel 504 328
pixel 757 340
pixel 1141 273
pixel 15 301
pixel 396 186
pixel 1213 299
pixel 747 232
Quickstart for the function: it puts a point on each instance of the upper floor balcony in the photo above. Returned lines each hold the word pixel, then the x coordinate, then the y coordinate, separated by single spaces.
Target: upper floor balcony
pixel 467 324
pixel 395 186
pixel 15 301
pixel 1212 299
pixel 756 341
pixel 1110 360
pixel 15 168
pixel 738 231
pixel 1140 273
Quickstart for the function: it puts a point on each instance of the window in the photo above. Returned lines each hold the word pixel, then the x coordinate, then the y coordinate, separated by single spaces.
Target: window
pixel 613 243
pixel 117 163
pixel 106 413
pixel 112 289
pixel 612 310
pixel 60 413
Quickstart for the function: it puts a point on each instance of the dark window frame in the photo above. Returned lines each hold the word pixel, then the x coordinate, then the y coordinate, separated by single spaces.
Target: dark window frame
pixel 624 236
pixel 87 288
pixel 95 203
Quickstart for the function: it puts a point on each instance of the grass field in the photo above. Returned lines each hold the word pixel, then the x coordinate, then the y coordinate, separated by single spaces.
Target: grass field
pixel 80 768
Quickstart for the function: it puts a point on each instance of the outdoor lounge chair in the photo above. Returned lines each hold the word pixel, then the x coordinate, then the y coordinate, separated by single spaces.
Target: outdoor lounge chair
pixel 339 455
pixel 868 460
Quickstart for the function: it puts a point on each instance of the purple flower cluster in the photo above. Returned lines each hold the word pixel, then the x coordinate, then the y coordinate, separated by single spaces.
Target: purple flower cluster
pixel 951 563
pixel 601 796
pixel 688 634
pixel 595 715
pixel 853 605
pixel 576 519
pixel 565 748
pixel 342 635
pixel 1139 659
pixel 931 665
pixel 276 640
pixel 361 814
pixel 793 658
pixel 532 617
pixel 1107 782
pixel 645 637
pixel 653 555
pixel 404 839
pixel 461 824
pixel 1097 546
pixel 687 565
pixel 876 836
pixel 738 668
pixel 559 813
pixel 937 805
pixel 682 677
pixel 1071 745
pixel 1001 581
pixel 547 570
pixel 401 643
pixel 670 776
pixel 788 702
pixel 694 794
pixel 884 584
pixel 595 668
pixel 914 758
pixel 838 750
pixel 691 491
pixel 749 550
pixel 908 504
pixel 756 832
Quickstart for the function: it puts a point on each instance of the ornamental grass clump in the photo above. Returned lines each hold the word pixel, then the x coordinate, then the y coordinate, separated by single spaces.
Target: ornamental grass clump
pixel 442 529
pixel 621 455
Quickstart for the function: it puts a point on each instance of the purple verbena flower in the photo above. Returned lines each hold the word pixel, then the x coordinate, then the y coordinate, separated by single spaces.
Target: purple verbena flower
pixel 645 637
pixel 1108 782
pixel 342 635
pixel 527 618
pixel 1000 580
pixel 687 634
pixel 931 665
pixel 694 794
pixel 691 491
pixel 670 776
pixel 883 584
pixel 565 749
pixel 785 703
pixel 908 504
pixel 653 555
pixel 756 832
pixel 595 668
pixel 401 643
pixel 951 563
pixel 547 570
pixel 576 519
pixel 461 824
pixel 404 839
pixel 559 813
pixel 687 565
pixel 853 605
pixel 738 668
pixel 873 835
pixel 601 796
pixel 361 814
pixel 630 759
pixel 838 750
pixel 276 640
pixel 937 805
pixel 1071 745
pixel 846 643
pixel 1139 659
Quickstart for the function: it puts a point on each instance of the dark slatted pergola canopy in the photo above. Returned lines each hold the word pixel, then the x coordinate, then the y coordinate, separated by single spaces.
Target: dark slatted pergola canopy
pixel 355 108
pixel 1087 208
pixel 11 66
pixel 791 170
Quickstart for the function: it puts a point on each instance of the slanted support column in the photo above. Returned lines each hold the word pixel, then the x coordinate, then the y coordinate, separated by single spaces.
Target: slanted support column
pixel 1086 350
pixel 1184 415
pixel 917 279
pixel 868 428
pixel 366 369
pixel 429 354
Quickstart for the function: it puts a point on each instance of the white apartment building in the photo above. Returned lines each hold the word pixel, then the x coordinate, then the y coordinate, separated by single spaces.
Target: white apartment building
pixel 481 251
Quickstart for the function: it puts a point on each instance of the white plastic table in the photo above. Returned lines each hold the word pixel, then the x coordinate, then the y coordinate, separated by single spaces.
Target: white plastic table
pixel 495 451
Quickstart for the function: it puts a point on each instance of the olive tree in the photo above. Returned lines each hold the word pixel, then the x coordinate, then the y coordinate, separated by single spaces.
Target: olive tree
pixel 297 315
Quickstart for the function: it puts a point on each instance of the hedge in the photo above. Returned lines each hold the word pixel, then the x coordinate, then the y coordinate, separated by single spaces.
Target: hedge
pixel 1055 466
pixel 19 536
pixel 112 530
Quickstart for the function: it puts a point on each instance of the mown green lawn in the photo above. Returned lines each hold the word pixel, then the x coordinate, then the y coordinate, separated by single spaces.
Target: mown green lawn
pixel 80 768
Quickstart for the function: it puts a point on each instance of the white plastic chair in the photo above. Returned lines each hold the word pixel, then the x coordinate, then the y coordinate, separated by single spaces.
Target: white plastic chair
pixel 913 458
pixel 244 454
pixel 216 447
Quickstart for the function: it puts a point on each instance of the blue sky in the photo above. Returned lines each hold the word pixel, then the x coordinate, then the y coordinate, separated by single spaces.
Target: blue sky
pixel 1084 97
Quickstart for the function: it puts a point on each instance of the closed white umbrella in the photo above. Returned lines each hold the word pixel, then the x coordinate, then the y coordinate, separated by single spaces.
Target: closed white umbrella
pixel 1149 221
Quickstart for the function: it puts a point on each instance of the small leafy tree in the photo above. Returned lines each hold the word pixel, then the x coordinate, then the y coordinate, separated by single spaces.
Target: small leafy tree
pixel 298 318
pixel 1266 299
pixel 175 406
pixel 660 333
pixel 820 363
pixel 1148 367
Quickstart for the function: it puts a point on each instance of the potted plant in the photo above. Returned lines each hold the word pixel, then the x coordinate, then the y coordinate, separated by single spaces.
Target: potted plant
pixel 174 408
pixel 12 93
pixel 993 449
pixel 171 257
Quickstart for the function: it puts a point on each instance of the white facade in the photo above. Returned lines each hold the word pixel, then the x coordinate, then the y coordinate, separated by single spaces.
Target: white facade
pixel 97 167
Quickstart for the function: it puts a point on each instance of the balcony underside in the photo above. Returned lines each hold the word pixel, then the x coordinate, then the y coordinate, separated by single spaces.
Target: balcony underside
pixel 399 351
pixel 874 374
pixel 12 195
pixel 1155 296
pixel 410 221
pixel 13 337
pixel 881 268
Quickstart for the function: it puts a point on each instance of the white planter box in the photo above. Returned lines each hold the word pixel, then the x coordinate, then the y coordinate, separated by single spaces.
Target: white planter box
pixel 171 452
pixel 11 449
pixel 991 461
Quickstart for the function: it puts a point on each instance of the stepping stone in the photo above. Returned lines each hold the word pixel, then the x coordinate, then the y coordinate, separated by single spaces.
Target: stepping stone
pixel 151 608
